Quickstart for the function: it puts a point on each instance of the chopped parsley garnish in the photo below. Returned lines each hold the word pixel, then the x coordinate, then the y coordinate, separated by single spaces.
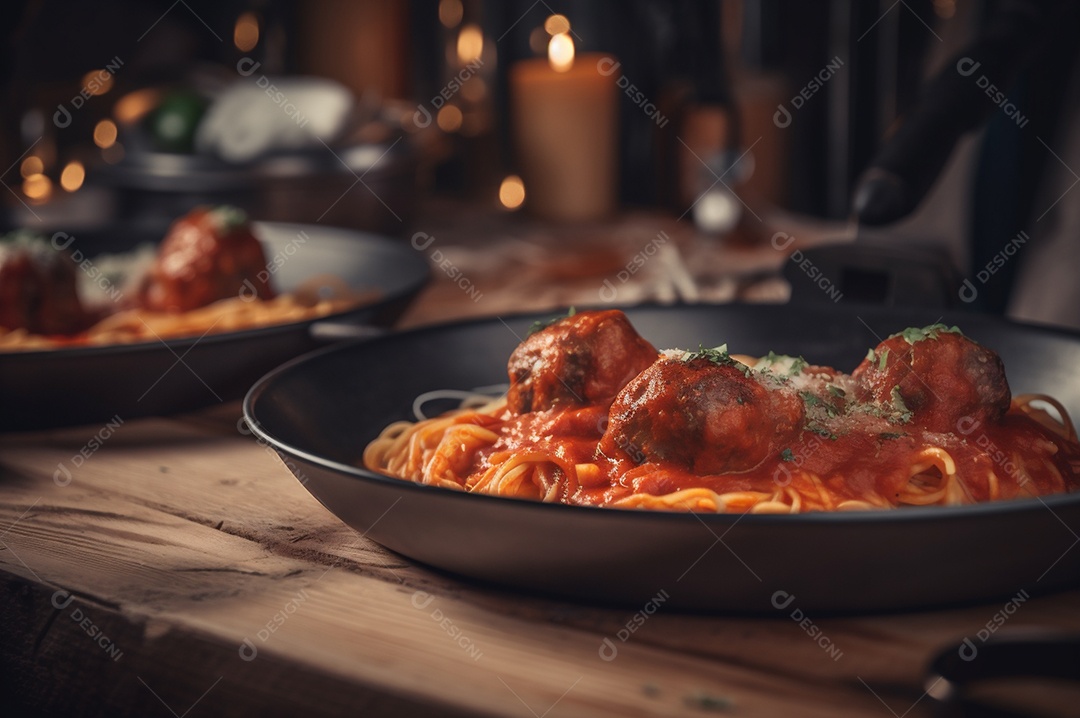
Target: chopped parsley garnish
pixel 227 217
pixel 787 455
pixel 820 430
pixel 836 391
pixel 916 334
pixel 769 361
pixel 814 401
pixel 541 324
pixel 904 414
pixel 718 356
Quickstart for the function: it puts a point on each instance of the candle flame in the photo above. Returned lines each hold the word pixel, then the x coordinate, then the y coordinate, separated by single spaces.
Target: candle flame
pixel 561 52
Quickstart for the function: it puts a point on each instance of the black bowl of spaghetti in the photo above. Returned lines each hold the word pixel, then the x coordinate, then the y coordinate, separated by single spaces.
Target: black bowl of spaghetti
pixel 132 362
pixel 761 544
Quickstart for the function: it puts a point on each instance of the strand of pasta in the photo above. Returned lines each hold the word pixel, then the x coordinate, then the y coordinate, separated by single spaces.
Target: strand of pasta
pixel 1062 426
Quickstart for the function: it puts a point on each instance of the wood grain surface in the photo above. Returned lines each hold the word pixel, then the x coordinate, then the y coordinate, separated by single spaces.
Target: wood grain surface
pixel 182 570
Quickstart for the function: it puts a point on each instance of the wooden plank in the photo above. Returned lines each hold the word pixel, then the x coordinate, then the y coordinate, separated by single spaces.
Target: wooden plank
pixel 53 667
pixel 181 540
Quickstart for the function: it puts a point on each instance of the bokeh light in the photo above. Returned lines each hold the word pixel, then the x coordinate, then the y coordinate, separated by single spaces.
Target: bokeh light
pixel 97 82
pixel 557 25
pixel 470 44
pixel 32 165
pixel 474 89
pixel 73 176
pixel 133 106
pixel 512 192
pixel 450 13
pixel 37 187
pixel 105 134
pixel 449 118
pixel 246 32
pixel 538 40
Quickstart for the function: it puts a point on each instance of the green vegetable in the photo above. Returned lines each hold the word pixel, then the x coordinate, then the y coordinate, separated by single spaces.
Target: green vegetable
pixel 837 391
pixel 787 455
pixel 812 400
pixel 541 324
pixel 820 430
pixel 882 359
pixel 175 121
pixel 227 217
pixel 915 334
pixel 904 414
pixel 772 359
pixel 717 355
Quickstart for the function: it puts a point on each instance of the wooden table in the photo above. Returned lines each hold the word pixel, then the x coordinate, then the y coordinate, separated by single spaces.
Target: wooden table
pixel 183 568
pixel 173 566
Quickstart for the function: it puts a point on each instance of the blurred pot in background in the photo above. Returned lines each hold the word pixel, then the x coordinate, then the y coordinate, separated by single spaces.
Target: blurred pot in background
pixel 288 149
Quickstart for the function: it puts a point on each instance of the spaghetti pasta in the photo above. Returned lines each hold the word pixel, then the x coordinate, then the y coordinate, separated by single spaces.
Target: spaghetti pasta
pixel 589 421
pixel 225 315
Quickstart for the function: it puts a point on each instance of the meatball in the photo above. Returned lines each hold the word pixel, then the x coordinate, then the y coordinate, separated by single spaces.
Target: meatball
pixel 708 416
pixel 209 254
pixel 586 358
pixel 38 290
pixel 934 376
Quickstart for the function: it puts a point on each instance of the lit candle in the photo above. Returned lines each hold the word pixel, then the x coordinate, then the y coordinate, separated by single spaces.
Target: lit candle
pixel 564 120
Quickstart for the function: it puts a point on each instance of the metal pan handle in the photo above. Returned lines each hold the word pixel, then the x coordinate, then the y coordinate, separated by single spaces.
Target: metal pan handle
pixel 1013 654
